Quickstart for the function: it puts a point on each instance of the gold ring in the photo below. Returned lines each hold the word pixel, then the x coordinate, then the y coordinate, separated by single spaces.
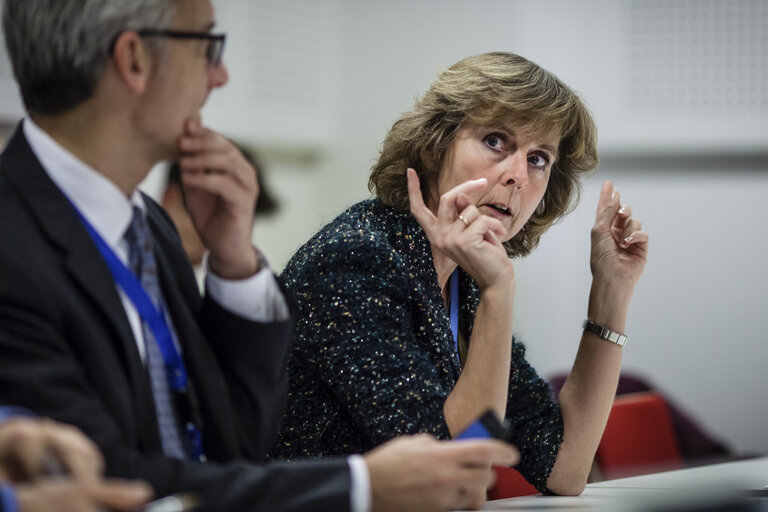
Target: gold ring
pixel 465 221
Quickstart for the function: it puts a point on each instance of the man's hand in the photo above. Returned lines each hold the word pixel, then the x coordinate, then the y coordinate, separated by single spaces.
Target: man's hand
pixel 34 447
pixel 220 190
pixel 56 467
pixel 422 474
pixel 66 495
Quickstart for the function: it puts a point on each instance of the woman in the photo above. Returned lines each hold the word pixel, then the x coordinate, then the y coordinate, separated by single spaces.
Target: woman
pixel 494 153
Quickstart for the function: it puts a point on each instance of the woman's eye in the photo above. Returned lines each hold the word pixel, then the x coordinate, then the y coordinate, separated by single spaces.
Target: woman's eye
pixel 538 161
pixel 494 141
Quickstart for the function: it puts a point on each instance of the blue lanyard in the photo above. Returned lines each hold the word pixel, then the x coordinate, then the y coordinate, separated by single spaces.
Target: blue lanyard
pixel 153 317
pixel 155 320
pixel 8 501
pixel 453 309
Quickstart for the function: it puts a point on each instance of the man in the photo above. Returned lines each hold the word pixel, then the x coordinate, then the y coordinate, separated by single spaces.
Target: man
pixel 101 323
pixel 32 448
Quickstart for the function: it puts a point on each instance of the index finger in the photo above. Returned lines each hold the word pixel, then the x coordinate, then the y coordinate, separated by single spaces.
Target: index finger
pixel 203 139
pixel 607 206
pixel 419 210
pixel 450 203
pixel 192 125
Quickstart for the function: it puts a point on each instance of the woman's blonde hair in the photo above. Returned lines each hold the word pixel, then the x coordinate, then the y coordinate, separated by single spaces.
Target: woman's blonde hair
pixel 497 89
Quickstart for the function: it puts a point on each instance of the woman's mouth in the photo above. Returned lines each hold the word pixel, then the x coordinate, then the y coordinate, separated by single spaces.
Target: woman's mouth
pixel 498 210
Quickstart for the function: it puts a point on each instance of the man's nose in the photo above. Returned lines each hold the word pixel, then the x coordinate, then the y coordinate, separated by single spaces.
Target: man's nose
pixel 218 75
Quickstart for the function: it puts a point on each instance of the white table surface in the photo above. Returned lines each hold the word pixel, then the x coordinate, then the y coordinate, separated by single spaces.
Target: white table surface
pixel 686 487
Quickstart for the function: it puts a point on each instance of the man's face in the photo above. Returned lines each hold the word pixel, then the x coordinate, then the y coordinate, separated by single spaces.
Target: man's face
pixel 181 80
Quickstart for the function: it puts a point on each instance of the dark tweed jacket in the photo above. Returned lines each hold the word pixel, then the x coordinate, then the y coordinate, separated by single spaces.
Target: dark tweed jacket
pixel 374 355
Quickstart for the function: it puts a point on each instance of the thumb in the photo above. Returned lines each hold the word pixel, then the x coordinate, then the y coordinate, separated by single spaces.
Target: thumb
pixel 120 494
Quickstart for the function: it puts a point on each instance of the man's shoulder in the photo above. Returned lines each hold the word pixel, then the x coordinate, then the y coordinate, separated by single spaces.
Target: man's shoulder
pixel 19 228
pixel 24 195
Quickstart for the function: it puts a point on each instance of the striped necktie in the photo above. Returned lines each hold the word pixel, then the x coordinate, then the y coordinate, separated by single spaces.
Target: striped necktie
pixel 142 261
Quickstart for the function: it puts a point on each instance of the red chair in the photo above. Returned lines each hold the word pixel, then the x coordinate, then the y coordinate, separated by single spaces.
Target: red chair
pixel 638 439
pixel 509 484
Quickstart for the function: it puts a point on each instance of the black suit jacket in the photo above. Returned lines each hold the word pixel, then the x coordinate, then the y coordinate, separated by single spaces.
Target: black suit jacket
pixel 67 351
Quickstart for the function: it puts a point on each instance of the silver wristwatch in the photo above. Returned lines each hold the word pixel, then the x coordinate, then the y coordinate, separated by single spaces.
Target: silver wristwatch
pixel 604 332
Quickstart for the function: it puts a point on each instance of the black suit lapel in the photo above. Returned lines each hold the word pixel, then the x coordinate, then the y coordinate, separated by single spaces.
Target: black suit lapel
pixel 61 225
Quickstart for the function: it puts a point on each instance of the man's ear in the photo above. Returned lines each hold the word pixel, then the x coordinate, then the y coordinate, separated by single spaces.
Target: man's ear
pixel 133 61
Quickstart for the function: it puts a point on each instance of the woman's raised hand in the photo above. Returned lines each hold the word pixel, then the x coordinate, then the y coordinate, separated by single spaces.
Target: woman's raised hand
pixel 462 233
pixel 619 245
pixel 619 253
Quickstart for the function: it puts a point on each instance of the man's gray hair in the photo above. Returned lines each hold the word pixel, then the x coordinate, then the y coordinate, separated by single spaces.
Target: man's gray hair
pixel 59 48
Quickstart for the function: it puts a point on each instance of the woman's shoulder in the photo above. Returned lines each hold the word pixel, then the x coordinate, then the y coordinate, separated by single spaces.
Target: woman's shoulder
pixel 361 232
pixel 368 220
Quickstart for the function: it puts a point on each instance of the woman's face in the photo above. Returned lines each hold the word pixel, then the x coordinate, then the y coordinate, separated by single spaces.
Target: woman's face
pixel 516 165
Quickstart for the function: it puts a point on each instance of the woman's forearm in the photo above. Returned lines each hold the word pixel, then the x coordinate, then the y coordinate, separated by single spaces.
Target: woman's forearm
pixel 484 380
pixel 588 393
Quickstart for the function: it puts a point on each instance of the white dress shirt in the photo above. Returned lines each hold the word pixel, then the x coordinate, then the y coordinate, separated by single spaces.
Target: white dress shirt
pixel 257 298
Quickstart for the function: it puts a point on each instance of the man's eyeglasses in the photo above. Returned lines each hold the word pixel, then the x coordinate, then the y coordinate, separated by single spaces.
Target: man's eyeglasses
pixel 213 52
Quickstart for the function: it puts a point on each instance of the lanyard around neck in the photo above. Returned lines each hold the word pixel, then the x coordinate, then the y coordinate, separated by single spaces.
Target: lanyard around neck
pixel 149 313
pixel 453 309
pixel 155 319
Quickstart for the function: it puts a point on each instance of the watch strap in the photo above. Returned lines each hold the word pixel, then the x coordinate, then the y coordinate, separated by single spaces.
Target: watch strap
pixel 604 333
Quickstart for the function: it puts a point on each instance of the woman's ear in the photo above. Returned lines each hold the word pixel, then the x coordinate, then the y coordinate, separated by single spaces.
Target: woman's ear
pixel 133 61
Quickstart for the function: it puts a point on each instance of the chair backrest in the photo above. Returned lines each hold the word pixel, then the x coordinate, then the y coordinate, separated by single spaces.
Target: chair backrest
pixel 509 484
pixel 639 438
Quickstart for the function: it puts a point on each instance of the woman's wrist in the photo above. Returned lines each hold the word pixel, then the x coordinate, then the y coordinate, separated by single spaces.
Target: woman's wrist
pixel 499 293
pixel 609 304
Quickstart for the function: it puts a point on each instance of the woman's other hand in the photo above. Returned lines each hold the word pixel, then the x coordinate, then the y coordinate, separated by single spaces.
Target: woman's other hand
pixel 619 250
pixel 619 245
pixel 461 232
pixel 619 253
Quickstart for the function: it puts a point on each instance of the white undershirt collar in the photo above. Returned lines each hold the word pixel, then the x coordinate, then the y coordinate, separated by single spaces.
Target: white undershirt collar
pixel 101 202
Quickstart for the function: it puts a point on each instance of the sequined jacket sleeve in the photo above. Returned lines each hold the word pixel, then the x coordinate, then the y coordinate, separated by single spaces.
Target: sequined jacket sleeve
pixel 356 337
pixel 536 419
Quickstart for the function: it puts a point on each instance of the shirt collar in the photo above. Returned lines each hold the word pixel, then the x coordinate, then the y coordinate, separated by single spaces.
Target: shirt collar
pixel 100 201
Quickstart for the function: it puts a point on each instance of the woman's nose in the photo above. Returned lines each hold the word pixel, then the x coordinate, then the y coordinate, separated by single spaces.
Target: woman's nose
pixel 515 170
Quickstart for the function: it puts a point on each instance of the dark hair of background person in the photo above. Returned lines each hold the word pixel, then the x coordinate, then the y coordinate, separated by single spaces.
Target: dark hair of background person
pixel 266 203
